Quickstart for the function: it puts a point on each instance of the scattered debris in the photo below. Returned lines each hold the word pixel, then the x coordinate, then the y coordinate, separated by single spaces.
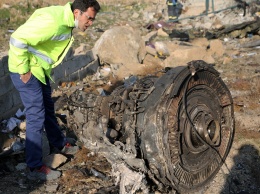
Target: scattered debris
pixel 238 58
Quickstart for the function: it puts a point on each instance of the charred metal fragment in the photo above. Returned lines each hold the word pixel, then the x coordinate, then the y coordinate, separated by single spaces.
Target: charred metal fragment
pixel 177 129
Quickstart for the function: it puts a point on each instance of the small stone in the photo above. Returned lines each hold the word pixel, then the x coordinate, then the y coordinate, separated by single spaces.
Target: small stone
pixel 135 15
pixel 54 160
pixel 22 126
pixel 21 166
pixel 160 32
pixel 6 6
pixel 22 184
pixel 52 188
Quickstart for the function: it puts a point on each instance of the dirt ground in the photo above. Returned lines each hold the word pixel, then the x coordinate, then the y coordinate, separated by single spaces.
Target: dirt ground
pixel 91 173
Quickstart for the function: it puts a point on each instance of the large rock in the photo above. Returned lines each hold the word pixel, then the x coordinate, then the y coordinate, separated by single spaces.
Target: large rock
pixel 198 49
pixel 184 54
pixel 120 45
pixel 151 65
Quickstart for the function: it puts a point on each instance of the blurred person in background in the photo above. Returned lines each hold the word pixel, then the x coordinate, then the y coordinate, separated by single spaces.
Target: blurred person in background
pixel 174 9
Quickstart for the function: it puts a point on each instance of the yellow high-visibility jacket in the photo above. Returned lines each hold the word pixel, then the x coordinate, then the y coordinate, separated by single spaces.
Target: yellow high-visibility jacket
pixel 42 41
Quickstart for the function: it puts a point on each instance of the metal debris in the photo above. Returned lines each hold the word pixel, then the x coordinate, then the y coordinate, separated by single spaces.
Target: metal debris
pixel 176 129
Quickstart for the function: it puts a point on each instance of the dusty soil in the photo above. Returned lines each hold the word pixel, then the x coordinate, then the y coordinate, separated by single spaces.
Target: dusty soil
pixel 239 68
pixel 240 172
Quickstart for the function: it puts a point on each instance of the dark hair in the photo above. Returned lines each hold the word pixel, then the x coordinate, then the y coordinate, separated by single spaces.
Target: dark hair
pixel 83 5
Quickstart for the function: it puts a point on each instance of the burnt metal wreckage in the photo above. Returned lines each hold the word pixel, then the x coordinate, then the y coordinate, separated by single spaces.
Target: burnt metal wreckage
pixel 176 129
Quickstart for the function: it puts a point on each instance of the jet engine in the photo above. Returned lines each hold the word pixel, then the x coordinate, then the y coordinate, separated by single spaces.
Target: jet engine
pixel 179 125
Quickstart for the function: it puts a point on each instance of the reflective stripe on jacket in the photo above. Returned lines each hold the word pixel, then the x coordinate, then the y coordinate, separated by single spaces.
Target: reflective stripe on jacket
pixel 171 2
pixel 42 42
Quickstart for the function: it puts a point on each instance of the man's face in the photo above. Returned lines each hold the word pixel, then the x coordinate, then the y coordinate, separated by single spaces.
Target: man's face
pixel 85 19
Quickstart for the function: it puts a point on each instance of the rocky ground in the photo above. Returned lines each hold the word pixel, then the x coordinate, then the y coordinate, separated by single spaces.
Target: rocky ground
pixel 237 63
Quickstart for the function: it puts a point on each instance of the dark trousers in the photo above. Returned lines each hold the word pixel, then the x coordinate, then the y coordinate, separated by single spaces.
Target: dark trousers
pixel 40 115
pixel 174 9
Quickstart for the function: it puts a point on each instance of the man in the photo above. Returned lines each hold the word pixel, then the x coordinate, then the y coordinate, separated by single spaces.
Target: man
pixel 35 48
pixel 174 9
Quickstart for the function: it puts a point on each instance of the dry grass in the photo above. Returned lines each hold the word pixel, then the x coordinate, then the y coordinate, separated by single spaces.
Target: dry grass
pixel 62 2
pixel 242 132
pixel 12 2
pixel 250 91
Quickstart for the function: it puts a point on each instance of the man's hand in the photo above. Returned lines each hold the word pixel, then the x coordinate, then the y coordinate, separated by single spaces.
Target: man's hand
pixel 25 77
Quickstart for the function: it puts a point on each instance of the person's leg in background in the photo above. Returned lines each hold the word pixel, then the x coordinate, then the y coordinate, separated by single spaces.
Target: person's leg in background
pixel 175 9
pixel 212 5
pixel 207 7
pixel 170 9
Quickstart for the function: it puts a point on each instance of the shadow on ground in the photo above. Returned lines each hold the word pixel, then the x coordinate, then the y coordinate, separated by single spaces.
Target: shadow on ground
pixel 244 176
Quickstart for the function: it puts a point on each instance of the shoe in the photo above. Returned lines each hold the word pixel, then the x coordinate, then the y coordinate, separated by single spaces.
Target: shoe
pixel 68 149
pixel 43 173
pixel 71 141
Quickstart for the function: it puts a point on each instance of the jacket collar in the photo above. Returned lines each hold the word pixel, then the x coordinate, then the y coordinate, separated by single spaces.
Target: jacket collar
pixel 68 15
